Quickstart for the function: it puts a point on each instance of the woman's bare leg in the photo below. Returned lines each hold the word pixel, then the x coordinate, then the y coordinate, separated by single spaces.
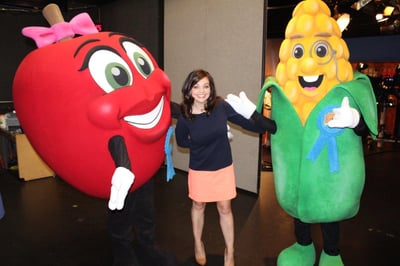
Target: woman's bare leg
pixel 197 214
pixel 227 227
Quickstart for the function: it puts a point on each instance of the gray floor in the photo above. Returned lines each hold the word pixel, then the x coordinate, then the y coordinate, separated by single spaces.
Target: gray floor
pixel 47 222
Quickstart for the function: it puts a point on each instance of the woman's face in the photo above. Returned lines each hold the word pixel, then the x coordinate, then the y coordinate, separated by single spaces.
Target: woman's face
pixel 201 91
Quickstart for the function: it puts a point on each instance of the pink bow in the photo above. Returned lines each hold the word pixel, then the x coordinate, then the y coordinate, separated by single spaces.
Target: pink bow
pixel 81 24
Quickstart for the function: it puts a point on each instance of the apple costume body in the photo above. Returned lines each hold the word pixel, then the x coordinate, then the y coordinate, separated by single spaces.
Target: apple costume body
pixel 96 108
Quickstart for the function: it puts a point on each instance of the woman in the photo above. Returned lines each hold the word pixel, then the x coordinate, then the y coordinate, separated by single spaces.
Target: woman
pixel 202 127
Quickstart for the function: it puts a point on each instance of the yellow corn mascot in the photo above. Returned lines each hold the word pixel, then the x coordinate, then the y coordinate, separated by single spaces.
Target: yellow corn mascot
pixel 321 109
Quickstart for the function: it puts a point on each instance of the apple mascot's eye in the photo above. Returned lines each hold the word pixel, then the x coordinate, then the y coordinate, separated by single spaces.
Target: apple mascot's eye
pixel 109 70
pixel 140 59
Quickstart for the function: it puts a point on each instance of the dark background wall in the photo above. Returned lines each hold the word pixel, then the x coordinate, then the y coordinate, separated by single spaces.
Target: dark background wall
pixel 13 46
pixel 374 49
pixel 140 19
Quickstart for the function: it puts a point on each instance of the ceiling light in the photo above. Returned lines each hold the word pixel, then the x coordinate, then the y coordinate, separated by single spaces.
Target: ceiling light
pixel 362 66
pixel 382 20
pixel 360 4
pixel 343 21
pixel 387 12
pixel 379 16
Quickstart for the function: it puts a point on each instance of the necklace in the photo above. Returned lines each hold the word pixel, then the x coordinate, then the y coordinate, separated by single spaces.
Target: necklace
pixel 197 109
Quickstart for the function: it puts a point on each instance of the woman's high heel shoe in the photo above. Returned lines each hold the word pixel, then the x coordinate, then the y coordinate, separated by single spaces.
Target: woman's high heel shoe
pixel 201 260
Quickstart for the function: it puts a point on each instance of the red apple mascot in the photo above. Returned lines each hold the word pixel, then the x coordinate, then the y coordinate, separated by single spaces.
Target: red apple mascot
pixel 96 107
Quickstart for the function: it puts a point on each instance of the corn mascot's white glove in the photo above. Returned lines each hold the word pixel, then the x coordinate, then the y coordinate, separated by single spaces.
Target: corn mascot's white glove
pixel 345 116
pixel 241 104
pixel 121 182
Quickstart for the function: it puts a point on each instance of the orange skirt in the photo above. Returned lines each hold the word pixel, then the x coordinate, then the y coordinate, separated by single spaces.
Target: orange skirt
pixel 212 186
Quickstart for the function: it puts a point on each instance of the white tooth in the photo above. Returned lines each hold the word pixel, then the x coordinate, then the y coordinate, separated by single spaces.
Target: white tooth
pixel 310 78
pixel 148 120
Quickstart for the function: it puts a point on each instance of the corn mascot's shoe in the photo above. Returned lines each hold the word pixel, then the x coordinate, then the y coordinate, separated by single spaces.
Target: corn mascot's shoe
pixel 328 260
pixel 297 255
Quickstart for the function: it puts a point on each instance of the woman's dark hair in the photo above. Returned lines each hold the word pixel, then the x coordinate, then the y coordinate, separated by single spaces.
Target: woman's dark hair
pixel 191 80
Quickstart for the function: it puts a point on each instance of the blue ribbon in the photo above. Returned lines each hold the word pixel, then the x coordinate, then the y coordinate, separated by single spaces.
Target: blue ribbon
pixel 327 138
pixel 168 154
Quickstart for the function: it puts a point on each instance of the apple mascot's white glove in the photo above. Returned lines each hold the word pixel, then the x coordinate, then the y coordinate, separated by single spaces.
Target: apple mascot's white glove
pixel 121 182
pixel 241 104
pixel 345 116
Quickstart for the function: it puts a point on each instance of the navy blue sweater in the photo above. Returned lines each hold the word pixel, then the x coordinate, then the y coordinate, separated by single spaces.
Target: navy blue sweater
pixel 206 136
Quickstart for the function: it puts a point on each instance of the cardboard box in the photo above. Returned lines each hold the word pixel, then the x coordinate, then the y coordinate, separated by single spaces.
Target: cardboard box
pixel 30 165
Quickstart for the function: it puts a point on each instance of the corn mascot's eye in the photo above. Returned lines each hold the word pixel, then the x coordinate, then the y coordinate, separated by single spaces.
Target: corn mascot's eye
pixel 321 49
pixel 298 51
